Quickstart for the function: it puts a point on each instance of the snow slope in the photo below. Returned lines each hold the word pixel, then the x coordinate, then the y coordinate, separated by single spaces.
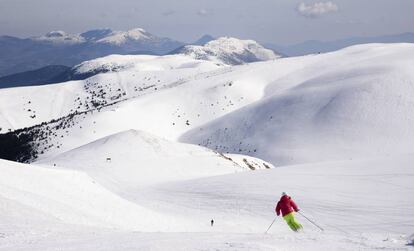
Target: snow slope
pixel 28 106
pixel 141 63
pixel 139 159
pixel 353 103
pixel 362 205
pixel 368 200
pixel 71 197
pixel 231 51
pixel 347 116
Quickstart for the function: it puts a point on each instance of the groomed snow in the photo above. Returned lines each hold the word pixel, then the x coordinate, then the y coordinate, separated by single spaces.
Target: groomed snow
pixel 361 205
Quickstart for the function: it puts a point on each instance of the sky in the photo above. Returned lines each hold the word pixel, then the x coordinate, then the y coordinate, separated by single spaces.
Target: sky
pixel 282 22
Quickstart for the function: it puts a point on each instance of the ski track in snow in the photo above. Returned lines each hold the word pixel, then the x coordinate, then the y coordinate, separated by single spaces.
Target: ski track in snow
pixel 357 211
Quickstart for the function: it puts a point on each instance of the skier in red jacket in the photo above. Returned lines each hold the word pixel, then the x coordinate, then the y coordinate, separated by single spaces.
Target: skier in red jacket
pixel 287 206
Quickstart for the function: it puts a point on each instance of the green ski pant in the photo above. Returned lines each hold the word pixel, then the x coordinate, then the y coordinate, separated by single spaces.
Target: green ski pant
pixel 291 221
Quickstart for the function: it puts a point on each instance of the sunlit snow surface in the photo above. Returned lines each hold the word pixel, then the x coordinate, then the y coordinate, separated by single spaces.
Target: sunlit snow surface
pixel 364 205
pixel 337 127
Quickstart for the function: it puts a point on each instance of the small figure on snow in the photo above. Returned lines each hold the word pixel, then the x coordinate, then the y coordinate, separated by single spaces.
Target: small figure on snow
pixel 287 206
pixel 212 222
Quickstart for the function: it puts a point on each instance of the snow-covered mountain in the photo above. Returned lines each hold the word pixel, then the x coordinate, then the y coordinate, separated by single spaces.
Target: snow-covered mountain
pixel 324 107
pixel 137 38
pixel 126 77
pixel 45 75
pixel 61 48
pixel 95 35
pixel 122 37
pixel 204 40
pixel 112 167
pixel 60 37
pixel 104 36
pixel 224 51
pixel 348 104
pixel 231 51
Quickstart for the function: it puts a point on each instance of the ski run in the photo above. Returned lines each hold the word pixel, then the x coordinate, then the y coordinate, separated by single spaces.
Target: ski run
pixel 145 153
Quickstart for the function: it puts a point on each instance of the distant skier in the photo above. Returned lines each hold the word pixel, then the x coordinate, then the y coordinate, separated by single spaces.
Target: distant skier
pixel 212 222
pixel 287 206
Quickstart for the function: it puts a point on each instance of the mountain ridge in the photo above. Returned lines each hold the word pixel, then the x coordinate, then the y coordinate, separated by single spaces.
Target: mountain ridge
pixel 230 106
pixel 61 48
pixel 229 51
pixel 316 46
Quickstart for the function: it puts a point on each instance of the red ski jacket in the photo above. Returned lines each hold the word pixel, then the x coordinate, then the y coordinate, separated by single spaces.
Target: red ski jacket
pixel 286 205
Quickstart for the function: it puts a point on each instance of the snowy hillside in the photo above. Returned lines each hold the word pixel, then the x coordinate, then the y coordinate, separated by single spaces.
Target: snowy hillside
pixel 28 106
pixel 111 166
pixel 133 159
pixel 348 104
pixel 231 51
pixel 353 103
pixel 141 63
pixel 69 209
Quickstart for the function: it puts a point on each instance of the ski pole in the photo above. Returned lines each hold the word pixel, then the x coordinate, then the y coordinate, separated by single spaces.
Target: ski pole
pixel 271 225
pixel 311 221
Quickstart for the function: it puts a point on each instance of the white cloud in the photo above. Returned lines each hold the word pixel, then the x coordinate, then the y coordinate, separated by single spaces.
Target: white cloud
pixel 317 9
pixel 202 12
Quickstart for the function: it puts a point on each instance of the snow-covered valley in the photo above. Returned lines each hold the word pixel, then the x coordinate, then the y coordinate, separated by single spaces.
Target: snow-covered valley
pixel 143 155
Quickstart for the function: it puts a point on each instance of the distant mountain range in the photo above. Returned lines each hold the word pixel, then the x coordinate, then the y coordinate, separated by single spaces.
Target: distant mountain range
pixel 61 48
pixel 223 51
pixel 45 75
pixel 49 58
pixel 314 46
